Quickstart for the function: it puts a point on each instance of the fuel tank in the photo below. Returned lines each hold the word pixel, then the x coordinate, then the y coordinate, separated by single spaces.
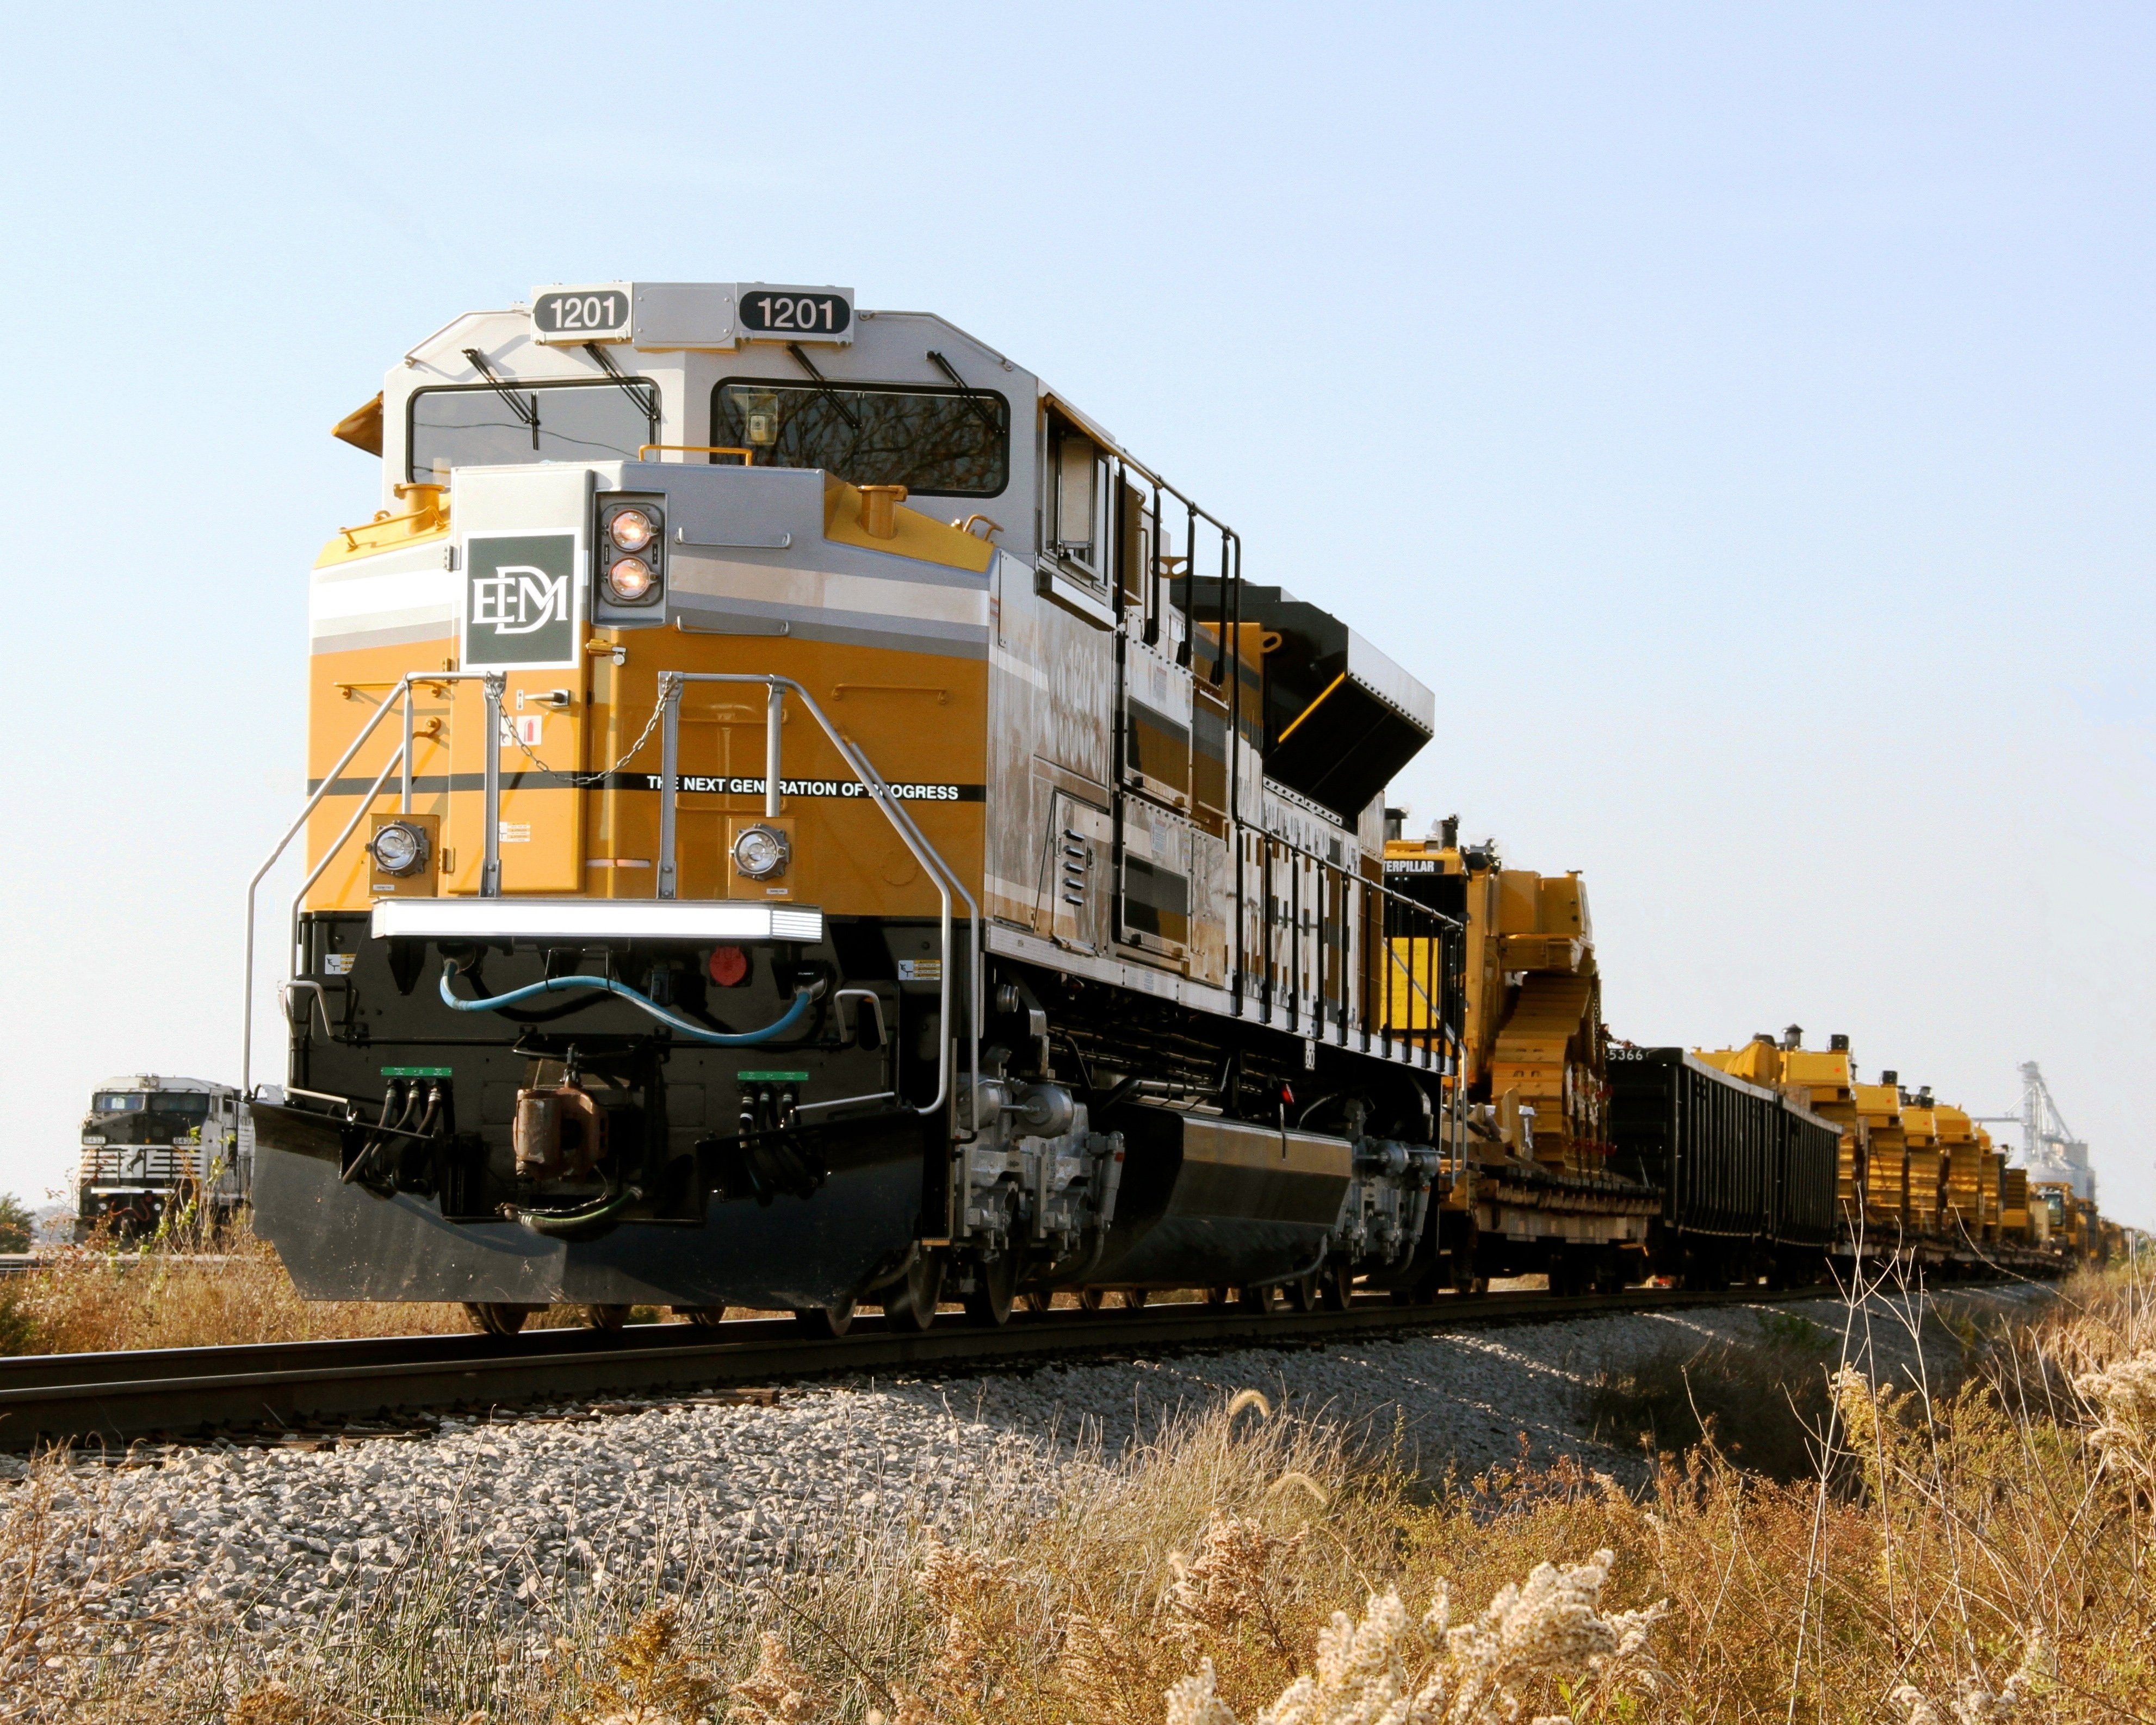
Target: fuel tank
pixel 1209 1201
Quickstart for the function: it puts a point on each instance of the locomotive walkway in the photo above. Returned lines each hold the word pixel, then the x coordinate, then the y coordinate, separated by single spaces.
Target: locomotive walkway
pixel 268 1389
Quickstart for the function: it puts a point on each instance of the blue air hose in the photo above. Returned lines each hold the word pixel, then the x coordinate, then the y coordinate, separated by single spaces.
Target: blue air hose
pixel 554 984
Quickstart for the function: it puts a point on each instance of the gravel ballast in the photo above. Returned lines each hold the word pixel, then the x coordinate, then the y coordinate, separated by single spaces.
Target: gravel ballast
pixel 548 1501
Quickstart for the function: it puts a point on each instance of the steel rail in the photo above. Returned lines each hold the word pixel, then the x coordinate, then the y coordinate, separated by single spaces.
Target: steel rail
pixel 193 1391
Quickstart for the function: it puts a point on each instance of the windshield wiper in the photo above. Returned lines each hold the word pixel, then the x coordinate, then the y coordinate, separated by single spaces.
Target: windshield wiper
pixel 974 399
pixel 527 410
pixel 643 394
pixel 823 388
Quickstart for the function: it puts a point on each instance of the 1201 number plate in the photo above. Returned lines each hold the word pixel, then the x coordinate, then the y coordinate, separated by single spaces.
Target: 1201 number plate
pixel 582 314
pixel 793 312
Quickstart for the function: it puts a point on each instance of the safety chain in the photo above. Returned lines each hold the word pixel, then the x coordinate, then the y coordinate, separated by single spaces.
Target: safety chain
pixel 588 781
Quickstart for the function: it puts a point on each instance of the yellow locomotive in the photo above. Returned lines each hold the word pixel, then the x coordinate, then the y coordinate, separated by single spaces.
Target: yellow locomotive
pixel 800 814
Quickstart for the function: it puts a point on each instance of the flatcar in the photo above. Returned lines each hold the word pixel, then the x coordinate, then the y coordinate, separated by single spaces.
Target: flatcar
pixel 1914 1178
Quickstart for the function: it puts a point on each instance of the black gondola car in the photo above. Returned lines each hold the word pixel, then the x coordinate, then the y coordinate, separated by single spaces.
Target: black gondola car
pixel 1747 1179
pixel 1804 1193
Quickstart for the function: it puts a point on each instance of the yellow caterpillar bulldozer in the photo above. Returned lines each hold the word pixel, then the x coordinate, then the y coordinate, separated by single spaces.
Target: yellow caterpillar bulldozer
pixel 1535 1049
pixel 1887 1213
pixel 1820 1080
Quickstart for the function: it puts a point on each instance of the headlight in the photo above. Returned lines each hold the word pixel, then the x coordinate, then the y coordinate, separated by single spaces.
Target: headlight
pixel 629 579
pixel 761 852
pixel 631 529
pixel 398 849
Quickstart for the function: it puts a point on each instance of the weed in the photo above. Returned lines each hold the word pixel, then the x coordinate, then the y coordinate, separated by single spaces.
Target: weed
pixel 1977 1554
pixel 1762 1403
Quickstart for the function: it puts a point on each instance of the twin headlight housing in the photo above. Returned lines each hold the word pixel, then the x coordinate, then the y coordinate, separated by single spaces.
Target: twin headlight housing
pixel 632 552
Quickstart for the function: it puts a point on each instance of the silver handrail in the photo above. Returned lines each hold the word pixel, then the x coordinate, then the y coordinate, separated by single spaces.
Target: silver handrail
pixel 973 910
pixel 330 855
pixel 403 692
pixel 945 878
pixel 400 694
pixel 1430 1060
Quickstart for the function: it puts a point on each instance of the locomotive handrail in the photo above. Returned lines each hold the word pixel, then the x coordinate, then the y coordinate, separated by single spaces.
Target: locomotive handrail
pixel 344 838
pixel 247 1008
pixel 400 697
pixel 946 879
pixel 1383 894
pixel 748 456
pixel 672 683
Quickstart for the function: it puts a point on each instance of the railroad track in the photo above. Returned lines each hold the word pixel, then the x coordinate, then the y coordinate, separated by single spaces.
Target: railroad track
pixel 184 1393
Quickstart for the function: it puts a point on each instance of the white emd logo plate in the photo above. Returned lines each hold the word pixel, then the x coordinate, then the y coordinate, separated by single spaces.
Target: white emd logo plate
pixel 520 600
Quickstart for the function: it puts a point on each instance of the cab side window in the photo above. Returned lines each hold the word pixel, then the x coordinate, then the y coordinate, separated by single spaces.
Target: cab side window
pixel 1077 498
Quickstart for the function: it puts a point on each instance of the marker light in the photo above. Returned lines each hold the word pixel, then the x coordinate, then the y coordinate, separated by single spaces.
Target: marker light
pixel 761 852
pixel 631 529
pixel 629 579
pixel 398 849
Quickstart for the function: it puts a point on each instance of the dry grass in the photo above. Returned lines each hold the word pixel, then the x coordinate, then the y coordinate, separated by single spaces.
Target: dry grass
pixel 185 1287
pixel 83 1299
pixel 1762 1402
pixel 1971 1556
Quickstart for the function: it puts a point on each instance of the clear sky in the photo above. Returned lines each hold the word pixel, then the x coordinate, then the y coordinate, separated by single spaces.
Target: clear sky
pixel 1741 416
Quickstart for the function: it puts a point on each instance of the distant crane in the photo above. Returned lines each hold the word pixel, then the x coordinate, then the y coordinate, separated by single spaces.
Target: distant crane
pixel 2050 1151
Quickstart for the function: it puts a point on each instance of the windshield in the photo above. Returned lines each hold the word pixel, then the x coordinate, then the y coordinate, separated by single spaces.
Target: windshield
pixel 934 442
pixel 115 1101
pixel 189 1104
pixel 476 425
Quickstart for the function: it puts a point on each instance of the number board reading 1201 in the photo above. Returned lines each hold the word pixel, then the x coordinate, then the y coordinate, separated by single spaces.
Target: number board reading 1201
pixel 588 314
pixel 795 311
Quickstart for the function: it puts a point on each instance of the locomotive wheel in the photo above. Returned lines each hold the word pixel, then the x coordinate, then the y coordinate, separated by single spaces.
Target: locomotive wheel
pixel 989 1303
pixel 1264 1302
pixel 828 1321
pixel 1333 1290
pixel 704 1317
pixel 1037 1300
pixel 1302 1293
pixel 1220 1296
pixel 491 1318
pixel 1091 1299
pixel 909 1304
pixel 608 1318
pixel 1134 1299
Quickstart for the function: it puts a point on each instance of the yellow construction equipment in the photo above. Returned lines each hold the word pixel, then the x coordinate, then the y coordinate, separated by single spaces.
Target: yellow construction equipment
pixel 1887 1157
pixel 1535 1047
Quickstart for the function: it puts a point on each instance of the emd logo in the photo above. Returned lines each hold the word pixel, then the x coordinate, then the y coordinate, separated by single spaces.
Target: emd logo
pixel 520 606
